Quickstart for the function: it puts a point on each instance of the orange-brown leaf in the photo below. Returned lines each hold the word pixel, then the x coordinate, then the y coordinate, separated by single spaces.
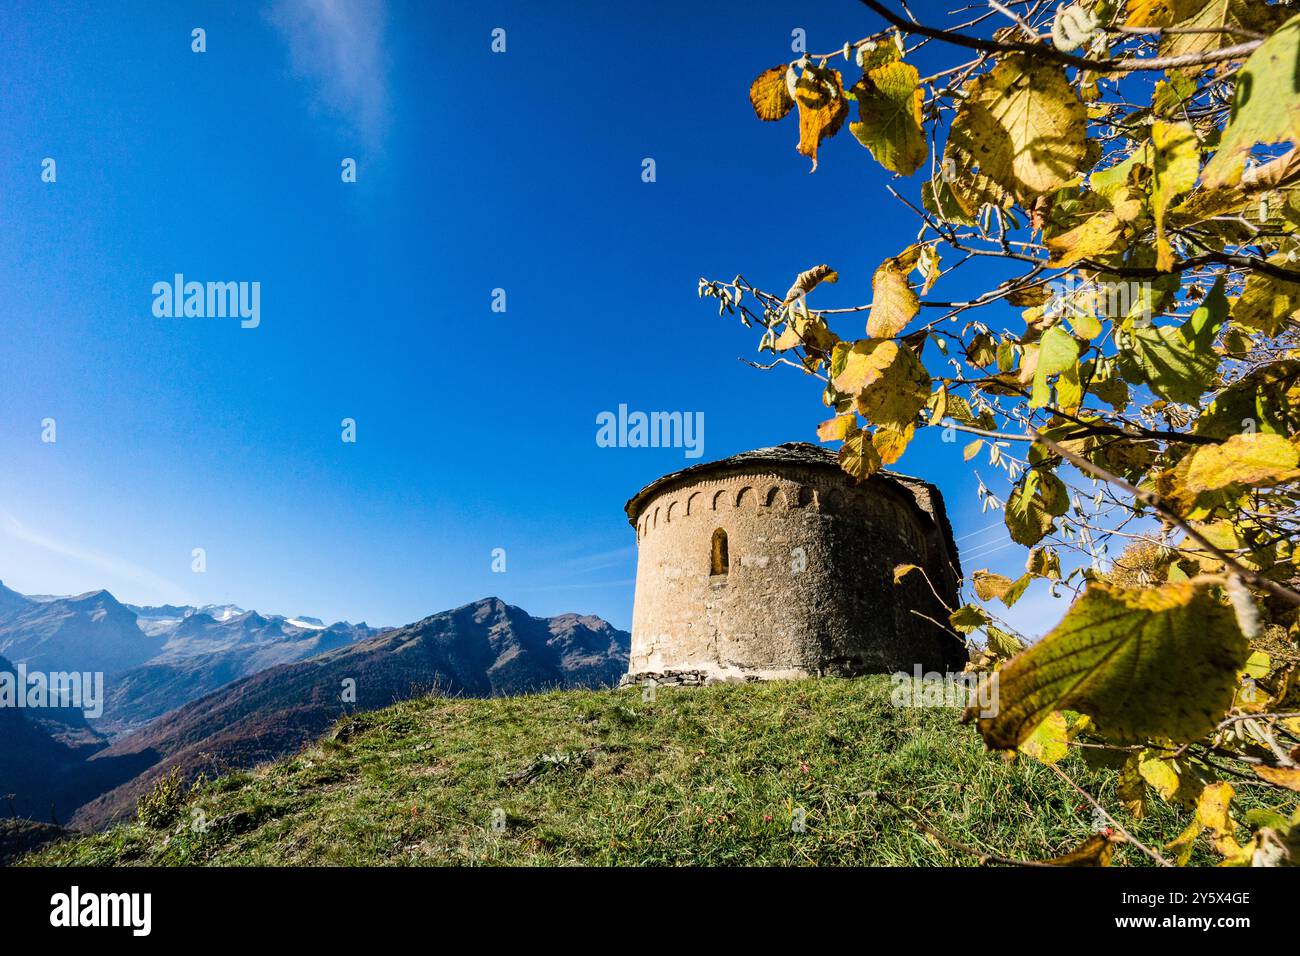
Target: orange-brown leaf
pixel 822 108
pixel 769 95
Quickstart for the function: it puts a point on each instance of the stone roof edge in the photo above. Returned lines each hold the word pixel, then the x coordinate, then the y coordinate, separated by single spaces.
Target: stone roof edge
pixel 798 453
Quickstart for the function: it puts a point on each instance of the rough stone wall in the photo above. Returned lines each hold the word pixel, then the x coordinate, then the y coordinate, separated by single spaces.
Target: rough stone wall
pixel 809 588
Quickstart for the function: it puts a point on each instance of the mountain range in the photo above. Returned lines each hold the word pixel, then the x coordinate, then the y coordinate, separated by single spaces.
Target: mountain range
pixel 156 658
pixel 218 688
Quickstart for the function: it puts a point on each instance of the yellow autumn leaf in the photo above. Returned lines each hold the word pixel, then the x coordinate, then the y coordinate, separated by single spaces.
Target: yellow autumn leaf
pixel 769 94
pixel 928 264
pixel 808 280
pixel 1246 461
pixel 1049 741
pixel 889 382
pixel 939 404
pixel 1161 775
pixel 822 107
pixel 1096 236
pixel 807 330
pixel 1097 850
pixel 891 441
pixel 1288 777
pixel 1267 303
pixel 1142 662
pixel 1044 563
pixel 1213 813
pixel 1020 133
pixel 858 456
pixel 1214 808
pixel 903 570
pixel 1131 789
pixel 855 365
pixel 1176 163
pixel 1157 13
pixel 838 428
pixel 989 585
pixel 1206 25
pixel 1069 390
pixel 893 302
pixel 899 393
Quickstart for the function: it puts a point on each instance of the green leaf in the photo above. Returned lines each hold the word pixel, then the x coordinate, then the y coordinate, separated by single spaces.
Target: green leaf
pixel 1017 589
pixel 1268 398
pixel 1057 352
pixel 969 618
pixel 889 117
pixel 1266 105
pixel 1033 504
pixel 939 200
pixel 1142 662
pixel 1202 328
pixel 1178 363
pixel 1044 563
pixel 1084 324
pixel 1004 645
pixel 1049 742
pixel 1170 94
pixel 1110 181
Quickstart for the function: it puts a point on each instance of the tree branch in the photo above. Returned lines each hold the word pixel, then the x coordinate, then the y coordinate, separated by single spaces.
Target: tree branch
pixel 1043 51
pixel 1111 820
pixel 1156 502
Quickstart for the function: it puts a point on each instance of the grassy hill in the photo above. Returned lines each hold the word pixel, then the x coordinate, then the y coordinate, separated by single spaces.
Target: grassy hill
pixel 698 776
pixel 484 648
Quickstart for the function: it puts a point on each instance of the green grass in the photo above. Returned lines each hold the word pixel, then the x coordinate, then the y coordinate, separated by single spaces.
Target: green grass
pixel 708 776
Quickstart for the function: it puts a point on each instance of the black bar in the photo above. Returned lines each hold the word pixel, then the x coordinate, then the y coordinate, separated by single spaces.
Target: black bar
pixel 332 906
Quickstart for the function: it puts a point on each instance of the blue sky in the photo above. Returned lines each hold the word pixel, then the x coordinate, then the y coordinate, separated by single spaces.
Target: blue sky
pixel 475 429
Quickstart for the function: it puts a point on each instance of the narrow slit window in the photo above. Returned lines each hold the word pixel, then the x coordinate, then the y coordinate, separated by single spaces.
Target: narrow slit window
pixel 718 560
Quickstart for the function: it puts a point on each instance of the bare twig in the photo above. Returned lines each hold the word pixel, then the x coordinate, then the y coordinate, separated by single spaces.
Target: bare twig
pixel 984 855
pixel 1046 52
pixel 1156 502
pixel 1119 827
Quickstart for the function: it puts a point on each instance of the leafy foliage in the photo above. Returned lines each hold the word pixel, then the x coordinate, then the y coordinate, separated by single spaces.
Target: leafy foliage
pixel 162 805
pixel 1111 658
pixel 1132 165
